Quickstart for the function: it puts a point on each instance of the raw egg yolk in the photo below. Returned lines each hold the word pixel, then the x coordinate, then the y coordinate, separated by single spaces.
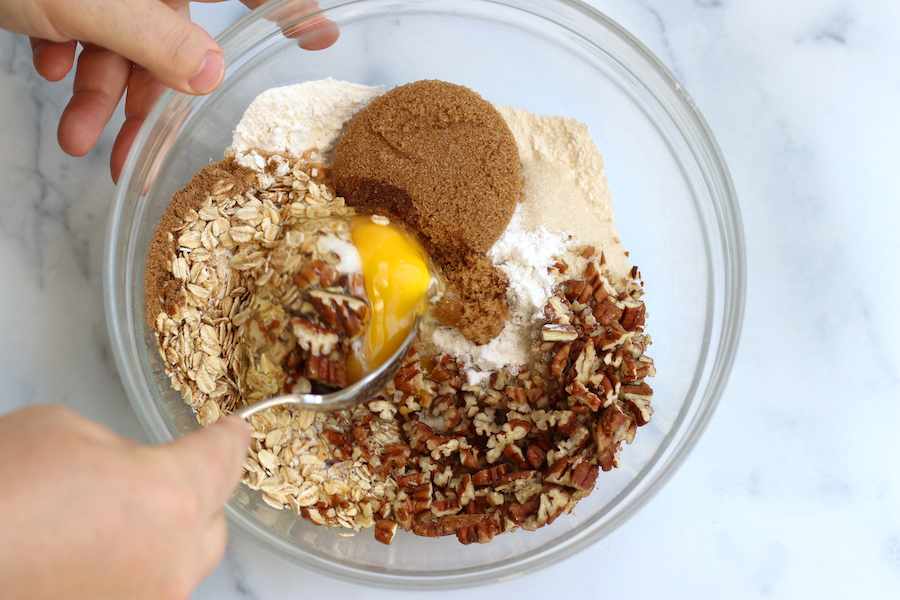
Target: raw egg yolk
pixel 398 276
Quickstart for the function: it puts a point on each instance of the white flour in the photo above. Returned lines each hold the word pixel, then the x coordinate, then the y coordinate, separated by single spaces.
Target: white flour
pixel 294 119
pixel 523 255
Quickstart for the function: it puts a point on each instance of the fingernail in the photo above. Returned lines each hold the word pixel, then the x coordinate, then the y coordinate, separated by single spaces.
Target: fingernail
pixel 210 74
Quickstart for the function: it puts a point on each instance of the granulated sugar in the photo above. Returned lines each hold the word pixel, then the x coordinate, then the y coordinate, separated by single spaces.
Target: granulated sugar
pixel 294 119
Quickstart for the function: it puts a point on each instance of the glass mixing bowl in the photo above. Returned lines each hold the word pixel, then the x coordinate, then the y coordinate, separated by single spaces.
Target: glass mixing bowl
pixel 675 207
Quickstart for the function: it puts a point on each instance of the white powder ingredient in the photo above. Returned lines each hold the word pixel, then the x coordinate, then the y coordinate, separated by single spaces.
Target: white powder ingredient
pixel 567 203
pixel 565 188
pixel 523 255
pixel 296 118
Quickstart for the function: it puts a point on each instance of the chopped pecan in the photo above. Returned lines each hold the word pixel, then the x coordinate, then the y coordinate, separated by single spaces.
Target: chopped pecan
pixel 335 438
pixel 326 370
pixel 452 418
pixel 633 317
pixel 480 532
pixel 515 455
pixel 342 314
pixel 489 475
pixel 505 482
pixel 572 472
pixel 399 454
pixel 517 398
pixel 404 516
pixel 385 530
pixel 637 392
pixel 313 338
pixel 446 507
pixel 447 525
pixel 520 511
pixel 439 373
pixel 584 476
pixel 411 481
pixel 419 435
pixel 465 491
pixel 584 395
pixel 613 426
pixel 404 376
pixel 422 491
pixel 560 359
pixel 468 457
pixel 535 455
pixel 607 312
pixel 509 433
pixel 552 504
pixel 551 332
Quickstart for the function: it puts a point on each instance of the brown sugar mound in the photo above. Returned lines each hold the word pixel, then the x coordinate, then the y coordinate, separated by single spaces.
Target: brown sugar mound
pixel 438 157
pixel 441 159
pixel 160 288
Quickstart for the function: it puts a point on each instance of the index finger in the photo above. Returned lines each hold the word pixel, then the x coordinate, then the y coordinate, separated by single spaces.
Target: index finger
pixel 152 34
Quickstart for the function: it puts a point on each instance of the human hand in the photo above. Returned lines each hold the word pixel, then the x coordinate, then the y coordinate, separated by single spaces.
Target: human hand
pixel 86 513
pixel 131 48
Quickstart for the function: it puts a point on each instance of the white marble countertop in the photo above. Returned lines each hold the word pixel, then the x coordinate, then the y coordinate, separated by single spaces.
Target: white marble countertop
pixel 794 489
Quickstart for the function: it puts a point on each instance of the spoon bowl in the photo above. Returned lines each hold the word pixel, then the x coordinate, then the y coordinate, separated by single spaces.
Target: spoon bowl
pixel 348 397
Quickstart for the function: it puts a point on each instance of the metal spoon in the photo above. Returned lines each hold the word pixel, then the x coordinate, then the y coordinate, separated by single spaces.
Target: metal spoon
pixel 353 395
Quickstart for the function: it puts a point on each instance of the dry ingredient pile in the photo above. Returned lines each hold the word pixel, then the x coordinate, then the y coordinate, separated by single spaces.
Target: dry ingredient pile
pixel 484 430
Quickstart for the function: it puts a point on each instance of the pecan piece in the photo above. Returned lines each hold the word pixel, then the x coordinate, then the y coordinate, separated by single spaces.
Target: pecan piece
pixel 446 525
pixel 411 481
pixel 606 312
pixel 515 455
pixel 560 359
pixel 489 475
pixel 385 530
pixel 535 455
pixel 313 338
pixel 444 508
pixel 551 332
pixel 633 317
pixel 468 457
pixel 573 472
pixel 332 373
pixel 637 392
pixel 342 314
pixel 584 475
pixel 399 454
pixel 613 426
pixel 439 373
pixel 480 532
pixel 552 504
pixel 584 396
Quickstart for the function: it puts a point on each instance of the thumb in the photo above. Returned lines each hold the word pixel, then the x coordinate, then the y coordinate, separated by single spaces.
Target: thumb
pixel 179 53
pixel 213 458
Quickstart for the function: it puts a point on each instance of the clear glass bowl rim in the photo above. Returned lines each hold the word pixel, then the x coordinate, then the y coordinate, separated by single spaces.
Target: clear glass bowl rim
pixel 120 310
